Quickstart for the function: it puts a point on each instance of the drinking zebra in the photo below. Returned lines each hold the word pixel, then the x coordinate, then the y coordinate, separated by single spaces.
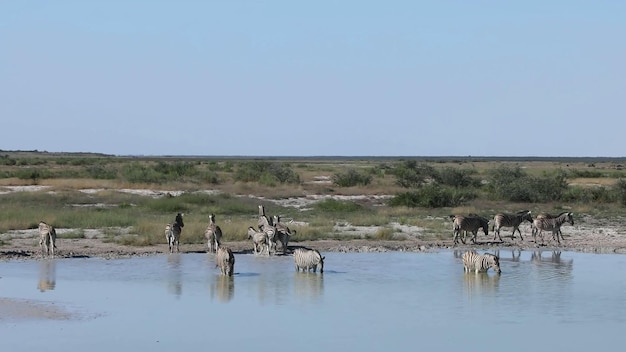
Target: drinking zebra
pixel 472 261
pixel 307 259
pixel 551 224
pixel 47 239
pixel 172 232
pixel 213 235
pixel 225 261
pixel 259 240
pixel 510 220
pixel 471 223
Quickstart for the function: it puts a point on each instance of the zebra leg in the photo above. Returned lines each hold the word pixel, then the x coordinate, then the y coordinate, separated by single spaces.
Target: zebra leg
pixel 497 234
pixel 520 233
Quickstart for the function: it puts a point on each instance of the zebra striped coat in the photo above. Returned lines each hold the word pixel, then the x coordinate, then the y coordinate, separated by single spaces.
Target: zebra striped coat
pixel 173 231
pixel 259 240
pixel 549 216
pixel 283 233
pixel 47 239
pixel 551 224
pixel 213 234
pixel 226 261
pixel 468 223
pixel 475 262
pixel 510 220
pixel 307 259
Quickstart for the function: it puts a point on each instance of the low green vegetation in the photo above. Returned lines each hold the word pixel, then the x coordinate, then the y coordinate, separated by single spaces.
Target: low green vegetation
pixel 82 191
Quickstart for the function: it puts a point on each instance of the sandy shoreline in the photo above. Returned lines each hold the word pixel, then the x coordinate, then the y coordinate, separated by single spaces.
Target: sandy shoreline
pixel 590 238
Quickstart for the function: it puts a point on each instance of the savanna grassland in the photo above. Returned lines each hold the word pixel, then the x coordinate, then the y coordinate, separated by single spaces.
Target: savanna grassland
pixel 102 201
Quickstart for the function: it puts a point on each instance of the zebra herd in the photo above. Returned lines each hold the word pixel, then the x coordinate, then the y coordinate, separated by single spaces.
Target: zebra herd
pixel 462 224
pixel 271 231
pixel 264 240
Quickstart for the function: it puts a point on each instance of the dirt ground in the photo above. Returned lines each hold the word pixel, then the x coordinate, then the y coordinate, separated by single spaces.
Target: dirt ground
pixel 587 235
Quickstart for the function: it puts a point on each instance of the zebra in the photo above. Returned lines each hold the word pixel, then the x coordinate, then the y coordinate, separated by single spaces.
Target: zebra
pixel 472 261
pixel 213 235
pixel 468 223
pixel 283 232
pixel 551 224
pixel 259 240
pixel 172 232
pixel 263 219
pixel 307 259
pixel 47 239
pixel 225 261
pixel 501 220
pixel 270 231
pixel 549 216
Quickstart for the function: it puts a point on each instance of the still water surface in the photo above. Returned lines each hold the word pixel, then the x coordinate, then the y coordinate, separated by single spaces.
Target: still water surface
pixel 363 302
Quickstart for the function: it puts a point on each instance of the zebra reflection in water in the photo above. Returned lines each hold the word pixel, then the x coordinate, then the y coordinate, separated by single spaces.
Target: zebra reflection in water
pixel 538 258
pixel 222 288
pixel 308 286
pixel 174 280
pixel 480 284
pixel 47 275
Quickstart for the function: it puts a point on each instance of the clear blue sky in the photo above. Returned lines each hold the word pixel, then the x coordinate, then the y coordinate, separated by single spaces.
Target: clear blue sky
pixel 301 78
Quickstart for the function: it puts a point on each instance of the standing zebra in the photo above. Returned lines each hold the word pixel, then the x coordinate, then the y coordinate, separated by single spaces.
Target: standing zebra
pixel 307 259
pixel 550 216
pixel 475 262
pixel 468 223
pixel 172 232
pixel 270 231
pixel 551 224
pixel 283 232
pixel 510 220
pixel 213 235
pixel 259 240
pixel 226 261
pixel 47 239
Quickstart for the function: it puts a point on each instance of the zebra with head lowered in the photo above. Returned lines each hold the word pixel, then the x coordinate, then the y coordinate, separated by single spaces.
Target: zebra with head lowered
pixel 471 223
pixel 226 261
pixel 541 224
pixel 501 220
pixel 47 238
pixel 213 235
pixel 307 259
pixel 472 261
pixel 172 232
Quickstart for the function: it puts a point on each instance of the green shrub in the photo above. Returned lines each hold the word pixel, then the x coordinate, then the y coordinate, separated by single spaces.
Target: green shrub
pixel 266 173
pixel 620 190
pixel 432 196
pixel 351 178
pixel 410 174
pixel 101 172
pixel 589 195
pixel 513 184
pixel 454 177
